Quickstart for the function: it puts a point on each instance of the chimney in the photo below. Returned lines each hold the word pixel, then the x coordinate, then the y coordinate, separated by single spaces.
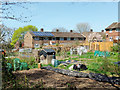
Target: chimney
pixel 71 30
pixel 91 30
pixel 41 29
pixel 57 30
pixel 102 30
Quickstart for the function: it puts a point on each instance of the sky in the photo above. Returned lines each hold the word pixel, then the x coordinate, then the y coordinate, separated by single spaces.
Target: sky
pixel 50 15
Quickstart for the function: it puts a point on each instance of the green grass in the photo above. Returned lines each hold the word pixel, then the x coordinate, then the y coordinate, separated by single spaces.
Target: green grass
pixel 95 64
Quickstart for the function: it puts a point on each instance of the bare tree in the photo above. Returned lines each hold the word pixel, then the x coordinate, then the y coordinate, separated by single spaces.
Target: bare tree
pixel 82 27
pixel 61 29
pixel 5 34
pixel 8 10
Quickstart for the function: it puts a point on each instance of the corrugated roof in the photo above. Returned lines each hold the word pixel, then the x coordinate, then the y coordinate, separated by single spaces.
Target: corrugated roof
pixel 42 34
pixel 114 25
pixel 66 34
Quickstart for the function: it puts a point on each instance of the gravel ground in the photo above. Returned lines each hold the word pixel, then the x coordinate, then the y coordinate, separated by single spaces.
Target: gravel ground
pixel 52 79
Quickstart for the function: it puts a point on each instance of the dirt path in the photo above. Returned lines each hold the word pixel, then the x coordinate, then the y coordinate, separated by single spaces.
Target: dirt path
pixel 52 79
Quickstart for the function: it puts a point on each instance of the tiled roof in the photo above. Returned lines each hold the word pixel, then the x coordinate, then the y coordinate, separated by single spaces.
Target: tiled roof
pixel 113 25
pixel 66 34
pixel 56 34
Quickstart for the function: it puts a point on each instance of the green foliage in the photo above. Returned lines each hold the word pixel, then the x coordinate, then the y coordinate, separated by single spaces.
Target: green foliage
pixel 57 44
pixel 104 66
pixel 116 48
pixel 20 32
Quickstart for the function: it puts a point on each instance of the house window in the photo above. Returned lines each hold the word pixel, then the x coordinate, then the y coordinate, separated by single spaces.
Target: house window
pixel 72 38
pixel 68 38
pixel 50 38
pixel 36 38
pixel 40 38
pixel 57 38
pixel 79 38
pixel 46 38
pixel 110 31
pixel 53 38
pixel 75 38
pixel 61 38
pixel 65 38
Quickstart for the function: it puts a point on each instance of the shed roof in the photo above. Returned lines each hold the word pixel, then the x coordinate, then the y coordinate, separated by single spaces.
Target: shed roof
pixel 48 50
pixel 113 25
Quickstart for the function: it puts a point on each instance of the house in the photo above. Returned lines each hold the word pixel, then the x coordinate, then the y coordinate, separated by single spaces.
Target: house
pixel 113 32
pixel 95 36
pixel 37 39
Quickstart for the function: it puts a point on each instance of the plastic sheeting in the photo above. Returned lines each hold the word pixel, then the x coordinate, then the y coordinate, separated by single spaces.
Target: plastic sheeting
pixel 79 50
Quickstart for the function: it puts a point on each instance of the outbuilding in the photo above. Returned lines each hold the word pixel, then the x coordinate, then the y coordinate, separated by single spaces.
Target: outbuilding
pixel 46 55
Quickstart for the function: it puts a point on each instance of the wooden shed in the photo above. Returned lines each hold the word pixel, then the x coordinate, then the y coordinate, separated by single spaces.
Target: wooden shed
pixel 46 55
pixel 101 46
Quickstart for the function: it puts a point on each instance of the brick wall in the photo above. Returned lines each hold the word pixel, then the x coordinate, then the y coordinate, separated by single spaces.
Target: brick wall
pixel 28 40
pixel 113 34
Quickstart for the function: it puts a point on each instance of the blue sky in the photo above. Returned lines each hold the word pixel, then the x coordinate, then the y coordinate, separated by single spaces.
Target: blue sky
pixel 49 15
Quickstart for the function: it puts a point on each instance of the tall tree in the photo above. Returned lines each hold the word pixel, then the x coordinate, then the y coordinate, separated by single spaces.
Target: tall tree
pixel 83 27
pixel 5 34
pixel 20 32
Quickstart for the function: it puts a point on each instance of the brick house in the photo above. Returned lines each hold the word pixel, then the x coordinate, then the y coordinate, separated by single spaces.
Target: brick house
pixel 36 39
pixel 113 32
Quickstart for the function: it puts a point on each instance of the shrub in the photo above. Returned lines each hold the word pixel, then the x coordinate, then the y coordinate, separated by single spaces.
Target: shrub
pixel 116 48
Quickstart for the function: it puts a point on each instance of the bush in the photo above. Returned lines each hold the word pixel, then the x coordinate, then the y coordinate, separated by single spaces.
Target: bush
pixel 104 66
pixel 116 48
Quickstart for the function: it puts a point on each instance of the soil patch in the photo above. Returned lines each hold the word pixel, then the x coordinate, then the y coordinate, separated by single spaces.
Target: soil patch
pixel 51 79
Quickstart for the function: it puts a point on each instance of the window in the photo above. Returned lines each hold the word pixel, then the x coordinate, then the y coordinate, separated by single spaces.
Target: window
pixel 110 31
pixel 72 38
pixel 68 38
pixel 61 38
pixel 65 38
pixel 57 38
pixel 36 38
pixel 46 38
pixel 75 38
pixel 53 38
pixel 40 38
pixel 50 38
